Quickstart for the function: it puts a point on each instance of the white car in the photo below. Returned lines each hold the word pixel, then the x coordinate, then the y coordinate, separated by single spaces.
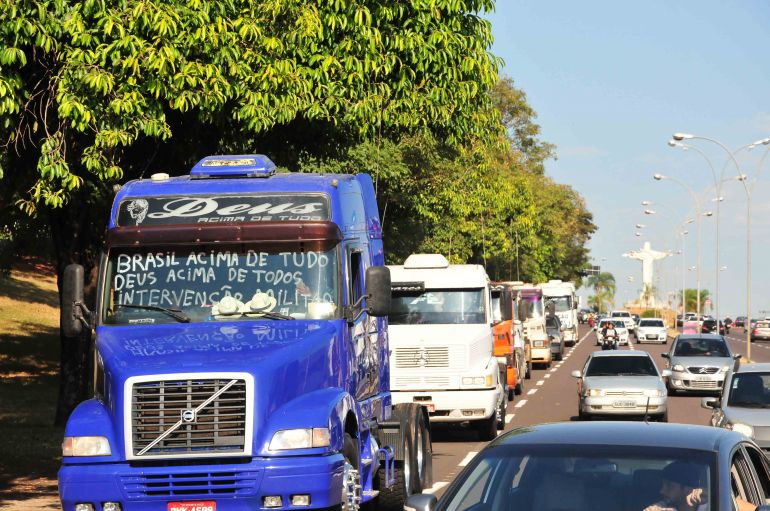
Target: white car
pixel 620 328
pixel 626 317
pixel 651 330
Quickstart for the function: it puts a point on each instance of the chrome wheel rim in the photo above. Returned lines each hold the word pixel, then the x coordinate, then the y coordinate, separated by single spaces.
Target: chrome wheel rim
pixel 420 454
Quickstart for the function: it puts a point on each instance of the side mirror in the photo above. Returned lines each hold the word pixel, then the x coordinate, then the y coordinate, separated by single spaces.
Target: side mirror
pixel 420 502
pixel 664 355
pixel 377 283
pixel 576 374
pixel 709 403
pixel 666 373
pixel 72 308
pixel 737 356
pixel 517 322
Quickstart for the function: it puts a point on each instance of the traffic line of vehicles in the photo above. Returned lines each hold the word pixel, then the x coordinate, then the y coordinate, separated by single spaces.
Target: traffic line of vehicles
pixel 251 350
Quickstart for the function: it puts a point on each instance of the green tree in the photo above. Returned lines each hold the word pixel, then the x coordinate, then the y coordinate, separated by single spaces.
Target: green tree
pixel 603 285
pixel 92 92
pixel 691 299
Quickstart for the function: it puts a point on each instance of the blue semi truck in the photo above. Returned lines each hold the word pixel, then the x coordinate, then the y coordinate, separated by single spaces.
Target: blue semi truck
pixel 240 354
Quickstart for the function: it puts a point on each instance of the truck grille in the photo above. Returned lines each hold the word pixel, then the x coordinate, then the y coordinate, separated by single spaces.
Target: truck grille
pixel 190 485
pixel 159 406
pixel 416 357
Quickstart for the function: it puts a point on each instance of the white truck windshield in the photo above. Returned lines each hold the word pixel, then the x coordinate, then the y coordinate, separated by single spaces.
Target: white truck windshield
pixel 561 303
pixel 220 282
pixel 531 307
pixel 437 306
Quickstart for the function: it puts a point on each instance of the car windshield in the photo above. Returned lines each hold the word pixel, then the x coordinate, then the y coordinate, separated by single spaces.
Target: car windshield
pixel 531 307
pixel 578 478
pixel 701 348
pixel 218 282
pixel 437 306
pixel 619 324
pixel 652 323
pixel 750 390
pixel 561 303
pixel 763 324
pixel 621 366
pixel 621 315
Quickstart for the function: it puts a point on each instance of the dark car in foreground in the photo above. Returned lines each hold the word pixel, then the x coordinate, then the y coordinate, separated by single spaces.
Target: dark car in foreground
pixel 608 466
pixel 745 404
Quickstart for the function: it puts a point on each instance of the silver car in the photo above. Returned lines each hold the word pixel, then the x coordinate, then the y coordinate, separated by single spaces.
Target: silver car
pixel 621 383
pixel 651 330
pixel 698 362
pixel 745 405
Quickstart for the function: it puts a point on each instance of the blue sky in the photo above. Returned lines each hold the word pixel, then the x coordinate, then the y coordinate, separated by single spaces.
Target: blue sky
pixel 611 81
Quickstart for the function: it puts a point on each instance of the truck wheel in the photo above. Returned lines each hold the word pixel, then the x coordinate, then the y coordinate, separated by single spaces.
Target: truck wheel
pixel 519 386
pixel 487 428
pixel 528 374
pixel 512 391
pixel 501 411
pixel 423 450
pixel 351 478
pixel 393 498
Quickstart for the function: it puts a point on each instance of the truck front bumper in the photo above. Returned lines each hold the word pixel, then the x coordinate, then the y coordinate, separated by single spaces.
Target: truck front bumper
pixel 453 405
pixel 541 355
pixel 230 486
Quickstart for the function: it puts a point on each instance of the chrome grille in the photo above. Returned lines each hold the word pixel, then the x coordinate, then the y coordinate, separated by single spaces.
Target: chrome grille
pixel 702 370
pixel 219 427
pixel 423 382
pixel 416 357
pixel 704 384
pixel 623 393
pixel 189 485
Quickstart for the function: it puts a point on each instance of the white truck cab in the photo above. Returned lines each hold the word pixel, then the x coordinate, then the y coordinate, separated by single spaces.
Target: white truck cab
pixel 565 305
pixel 441 342
pixel 532 315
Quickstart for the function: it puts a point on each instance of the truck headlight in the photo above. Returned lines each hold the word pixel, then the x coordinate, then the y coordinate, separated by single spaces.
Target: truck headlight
pixel 594 392
pixel 742 428
pixel 539 343
pixel 305 438
pixel 653 393
pixel 85 446
pixel 678 368
pixel 477 380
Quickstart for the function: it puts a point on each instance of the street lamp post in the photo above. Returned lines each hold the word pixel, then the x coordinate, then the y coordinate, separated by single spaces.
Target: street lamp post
pixel 678 137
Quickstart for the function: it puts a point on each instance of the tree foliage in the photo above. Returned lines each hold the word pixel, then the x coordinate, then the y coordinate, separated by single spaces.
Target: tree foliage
pixel 604 288
pixel 691 299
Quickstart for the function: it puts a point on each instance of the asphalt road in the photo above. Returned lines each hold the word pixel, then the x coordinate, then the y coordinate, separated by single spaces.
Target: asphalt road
pixel 551 396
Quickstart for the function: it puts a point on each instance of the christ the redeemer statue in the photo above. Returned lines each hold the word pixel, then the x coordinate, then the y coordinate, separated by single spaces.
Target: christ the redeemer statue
pixel 647 256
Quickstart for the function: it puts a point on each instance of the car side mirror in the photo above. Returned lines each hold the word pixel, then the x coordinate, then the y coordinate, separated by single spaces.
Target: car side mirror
pixel 377 283
pixel 709 403
pixel 666 373
pixel 420 502
pixel 74 314
pixel 737 356
pixel 664 355
pixel 576 374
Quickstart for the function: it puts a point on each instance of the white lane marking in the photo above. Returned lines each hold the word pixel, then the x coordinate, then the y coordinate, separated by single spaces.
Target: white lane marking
pixel 521 403
pixel 531 391
pixel 546 376
pixel 509 418
pixel 436 487
pixel 540 382
pixel 552 370
pixel 467 459
pixel 586 335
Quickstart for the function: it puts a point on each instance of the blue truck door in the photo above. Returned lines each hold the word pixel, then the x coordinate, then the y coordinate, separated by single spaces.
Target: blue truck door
pixel 364 330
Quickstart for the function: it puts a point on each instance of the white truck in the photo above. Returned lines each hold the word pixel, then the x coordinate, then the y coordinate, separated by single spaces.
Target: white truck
pixel 565 305
pixel 532 315
pixel 441 343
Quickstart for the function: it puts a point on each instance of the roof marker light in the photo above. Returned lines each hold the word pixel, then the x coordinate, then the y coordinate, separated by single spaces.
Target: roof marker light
pixel 239 165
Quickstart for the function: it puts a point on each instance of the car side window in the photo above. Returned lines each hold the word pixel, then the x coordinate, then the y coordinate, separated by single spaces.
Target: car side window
pixel 759 464
pixel 743 479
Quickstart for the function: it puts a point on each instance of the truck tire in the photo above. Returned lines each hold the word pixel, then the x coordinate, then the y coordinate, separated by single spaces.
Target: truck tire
pixel 502 408
pixel 519 385
pixel 423 450
pixel 487 428
pixel 528 373
pixel 512 391
pixel 351 479
pixel 393 498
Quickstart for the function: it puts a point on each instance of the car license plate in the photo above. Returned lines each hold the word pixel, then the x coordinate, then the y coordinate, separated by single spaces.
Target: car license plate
pixel 200 505
pixel 624 404
pixel 703 378
pixel 652 336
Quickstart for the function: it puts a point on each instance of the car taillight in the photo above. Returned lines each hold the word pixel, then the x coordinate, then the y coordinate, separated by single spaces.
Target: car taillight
pixel 755 331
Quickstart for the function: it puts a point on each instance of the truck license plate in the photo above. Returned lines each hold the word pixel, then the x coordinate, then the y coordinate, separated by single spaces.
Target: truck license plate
pixel 624 404
pixel 430 407
pixel 201 505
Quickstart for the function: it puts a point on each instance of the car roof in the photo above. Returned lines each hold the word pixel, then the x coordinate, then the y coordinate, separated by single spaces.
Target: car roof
pixel 685 337
pixel 621 433
pixel 652 319
pixel 618 353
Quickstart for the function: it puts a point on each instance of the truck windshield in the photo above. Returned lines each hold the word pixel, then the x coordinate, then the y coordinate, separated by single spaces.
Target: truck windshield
pixel 222 282
pixel 437 306
pixel 561 303
pixel 531 307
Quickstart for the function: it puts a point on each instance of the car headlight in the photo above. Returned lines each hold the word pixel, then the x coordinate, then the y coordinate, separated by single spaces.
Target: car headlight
pixel 85 446
pixel 678 368
pixel 742 428
pixel 594 392
pixel 305 438
pixel 653 393
pixel 539 343
pixel 725 369
pixel 477 380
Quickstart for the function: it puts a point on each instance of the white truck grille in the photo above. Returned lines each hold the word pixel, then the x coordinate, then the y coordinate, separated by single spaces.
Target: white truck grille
pixel 418 357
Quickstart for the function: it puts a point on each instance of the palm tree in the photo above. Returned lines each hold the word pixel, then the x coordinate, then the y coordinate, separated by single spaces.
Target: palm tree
pixel 604 289
pixel 691 298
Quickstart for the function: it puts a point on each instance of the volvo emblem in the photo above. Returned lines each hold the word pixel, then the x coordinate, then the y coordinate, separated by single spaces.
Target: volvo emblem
pixel 188 415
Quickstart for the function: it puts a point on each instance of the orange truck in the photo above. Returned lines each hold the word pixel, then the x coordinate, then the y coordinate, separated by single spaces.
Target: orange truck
pixel 509 338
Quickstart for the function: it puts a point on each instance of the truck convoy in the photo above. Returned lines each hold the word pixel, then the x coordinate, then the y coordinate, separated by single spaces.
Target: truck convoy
pixel 509 337
pixel 441 340
pixel 563 298
pixel 241 356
